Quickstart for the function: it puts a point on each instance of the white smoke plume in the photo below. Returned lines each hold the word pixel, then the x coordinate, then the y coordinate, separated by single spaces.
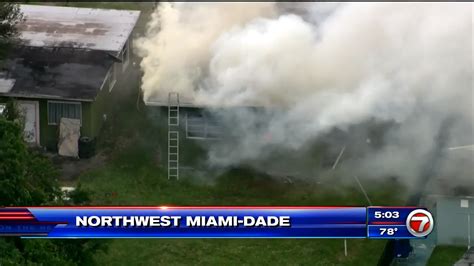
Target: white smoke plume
pixel 176 48
pixel 322 66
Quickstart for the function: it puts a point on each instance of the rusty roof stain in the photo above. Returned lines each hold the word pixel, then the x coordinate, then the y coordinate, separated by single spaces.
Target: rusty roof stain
pixel 95 29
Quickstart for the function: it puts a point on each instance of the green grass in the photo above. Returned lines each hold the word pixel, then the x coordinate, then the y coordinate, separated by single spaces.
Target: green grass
pixel 446 255
pixel 239 251
pixel 132 182
pixel 132 177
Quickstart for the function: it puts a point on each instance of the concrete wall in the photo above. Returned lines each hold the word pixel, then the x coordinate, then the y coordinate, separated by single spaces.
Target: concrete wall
pixel 452 227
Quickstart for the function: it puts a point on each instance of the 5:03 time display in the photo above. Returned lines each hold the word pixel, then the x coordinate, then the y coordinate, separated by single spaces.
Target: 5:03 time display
pixel 386 215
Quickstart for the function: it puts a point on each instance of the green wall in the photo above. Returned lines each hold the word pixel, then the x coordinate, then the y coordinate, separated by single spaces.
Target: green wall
pixel 92 119
pixel 96 110
pixel 92 113
pixel 49 133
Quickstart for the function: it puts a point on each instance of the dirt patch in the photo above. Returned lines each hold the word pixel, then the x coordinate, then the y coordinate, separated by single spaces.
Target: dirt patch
pixel 71 168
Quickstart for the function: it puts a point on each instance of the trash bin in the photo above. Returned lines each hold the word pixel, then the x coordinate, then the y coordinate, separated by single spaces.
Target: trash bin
pixel 86 147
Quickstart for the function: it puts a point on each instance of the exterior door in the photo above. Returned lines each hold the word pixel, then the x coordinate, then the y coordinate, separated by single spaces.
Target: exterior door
pixel 30 112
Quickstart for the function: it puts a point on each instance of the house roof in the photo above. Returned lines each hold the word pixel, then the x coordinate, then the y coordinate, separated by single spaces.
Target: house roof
pixel 56 73
pixel 6 84
pixel 95 29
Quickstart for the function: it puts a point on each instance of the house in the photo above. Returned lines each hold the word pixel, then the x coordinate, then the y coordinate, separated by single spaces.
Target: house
pixel 66 65
pixel 454 217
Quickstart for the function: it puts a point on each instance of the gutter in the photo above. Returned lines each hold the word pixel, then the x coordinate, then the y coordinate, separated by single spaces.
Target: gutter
pixel 50 97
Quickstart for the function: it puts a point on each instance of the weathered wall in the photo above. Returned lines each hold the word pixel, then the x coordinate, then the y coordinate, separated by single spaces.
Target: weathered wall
pixel 451 222
pixel 92 112
pixel 192 152
pixel 49 133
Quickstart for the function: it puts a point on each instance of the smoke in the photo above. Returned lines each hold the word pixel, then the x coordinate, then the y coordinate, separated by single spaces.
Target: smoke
pixel 317 67
pixel 177 45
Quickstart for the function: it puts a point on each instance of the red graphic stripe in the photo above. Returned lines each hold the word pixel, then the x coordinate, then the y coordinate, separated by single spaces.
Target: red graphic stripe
pixel 386 223
pixel 17 218
pixel 14 213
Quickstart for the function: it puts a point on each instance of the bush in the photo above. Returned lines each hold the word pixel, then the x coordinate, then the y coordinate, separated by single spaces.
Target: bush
pixel 29 179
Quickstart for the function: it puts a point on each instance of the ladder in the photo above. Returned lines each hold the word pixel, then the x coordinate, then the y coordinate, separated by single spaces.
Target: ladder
pixel 173 135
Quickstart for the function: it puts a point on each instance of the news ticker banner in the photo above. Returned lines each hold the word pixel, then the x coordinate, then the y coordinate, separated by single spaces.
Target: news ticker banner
pixel 216 222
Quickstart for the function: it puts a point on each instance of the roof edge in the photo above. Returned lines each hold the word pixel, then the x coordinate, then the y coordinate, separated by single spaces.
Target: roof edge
pixel 43 97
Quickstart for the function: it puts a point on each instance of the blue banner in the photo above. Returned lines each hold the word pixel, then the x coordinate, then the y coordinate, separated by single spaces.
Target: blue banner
pixel 205 222
pixel 398 222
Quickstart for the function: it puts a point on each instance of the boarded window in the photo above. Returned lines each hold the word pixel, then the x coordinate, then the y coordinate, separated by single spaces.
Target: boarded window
pixel 58 110
pixel 200 126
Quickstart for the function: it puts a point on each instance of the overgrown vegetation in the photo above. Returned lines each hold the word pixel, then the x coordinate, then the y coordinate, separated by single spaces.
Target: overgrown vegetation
pixel 135 175
pixel 27 178
pixel 446 255
pixel 132 178
pixel 10 16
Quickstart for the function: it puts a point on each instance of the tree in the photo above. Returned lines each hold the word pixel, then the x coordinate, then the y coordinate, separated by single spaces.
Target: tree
pixel 27 178
pixel 10 16
pixel 13 159
pixel 11 111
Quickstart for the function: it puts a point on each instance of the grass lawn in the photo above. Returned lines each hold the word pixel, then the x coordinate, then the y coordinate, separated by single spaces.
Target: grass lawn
pixel 446 255
pixel 132 176
pixel 132 179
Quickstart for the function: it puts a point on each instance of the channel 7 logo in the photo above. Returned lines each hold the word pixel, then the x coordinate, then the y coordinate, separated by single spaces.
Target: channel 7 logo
pixel 420 223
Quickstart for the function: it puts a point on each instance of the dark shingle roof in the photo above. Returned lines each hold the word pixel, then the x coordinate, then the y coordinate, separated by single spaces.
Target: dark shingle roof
pixel 60 73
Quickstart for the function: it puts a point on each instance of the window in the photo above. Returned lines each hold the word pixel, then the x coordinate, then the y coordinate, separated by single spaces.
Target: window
pixel 2 108
pixel 58 110
pixel 200 126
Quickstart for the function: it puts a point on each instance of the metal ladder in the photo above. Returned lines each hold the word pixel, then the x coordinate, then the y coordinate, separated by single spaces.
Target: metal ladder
pixel 173 135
